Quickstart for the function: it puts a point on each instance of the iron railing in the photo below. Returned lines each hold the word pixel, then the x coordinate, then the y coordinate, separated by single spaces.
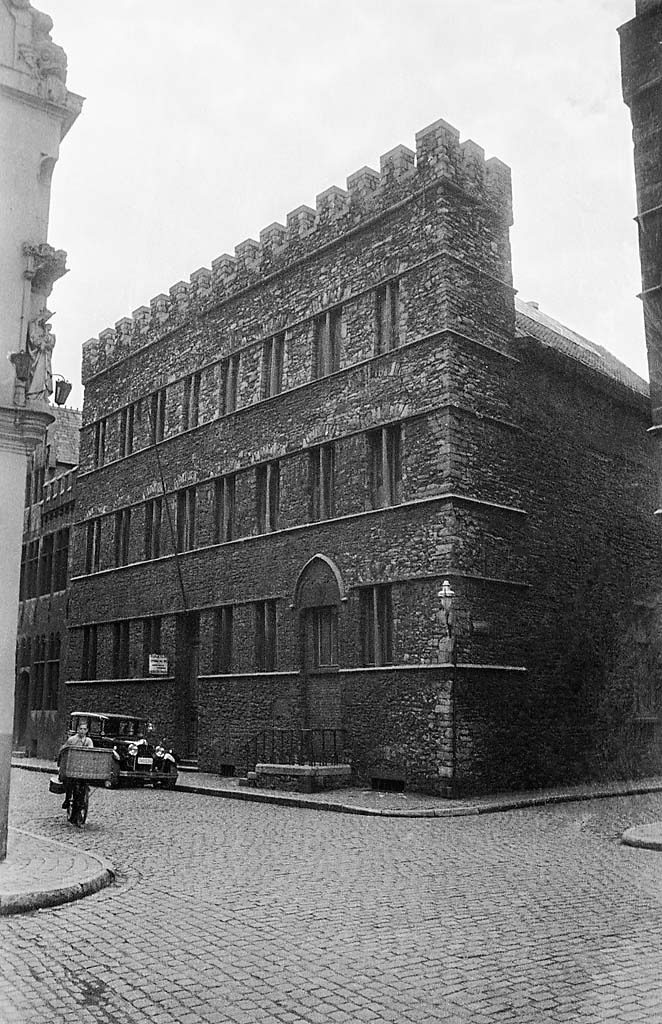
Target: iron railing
pixel 295 746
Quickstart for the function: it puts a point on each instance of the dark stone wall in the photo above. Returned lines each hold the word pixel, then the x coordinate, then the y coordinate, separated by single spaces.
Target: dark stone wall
pixel 526 481
pixel 154 699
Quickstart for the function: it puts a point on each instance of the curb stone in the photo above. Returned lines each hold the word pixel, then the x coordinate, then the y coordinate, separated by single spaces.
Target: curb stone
pixel 36 899
pixel 457 811
pixel 645 837
pixel 454 809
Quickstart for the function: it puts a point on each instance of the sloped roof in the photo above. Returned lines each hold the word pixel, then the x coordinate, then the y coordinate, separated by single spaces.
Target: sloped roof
pixel 532 322
pixel 64 434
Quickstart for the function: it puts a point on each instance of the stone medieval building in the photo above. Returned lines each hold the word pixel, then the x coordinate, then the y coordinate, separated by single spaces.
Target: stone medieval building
pixel 284 459
pixel 641 60
pixel 641 65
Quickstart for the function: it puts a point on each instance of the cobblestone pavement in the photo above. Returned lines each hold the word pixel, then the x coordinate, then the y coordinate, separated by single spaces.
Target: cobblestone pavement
pixel 238 913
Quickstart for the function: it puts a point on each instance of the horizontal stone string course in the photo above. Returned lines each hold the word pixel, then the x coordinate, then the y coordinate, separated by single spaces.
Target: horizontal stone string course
pixel 439 156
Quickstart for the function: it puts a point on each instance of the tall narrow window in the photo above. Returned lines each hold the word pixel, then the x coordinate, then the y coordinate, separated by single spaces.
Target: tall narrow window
pixel 61 567
pixel 267 492
pixel 99 443
pixel 153 516
pixel 230 381
pixel 186 519
pixel 127 417
pixel 39 673
pixel 325 635
pixel 38 479
pixel 122 535
pixel 222 652
pixel 326 342
pixel 384 466
pixel 266 645
pixel 151 640
pixel 224 502
pixel 376 631
pixel 322 479
pixel 157 410
pixel 22 591
pixel 191 402
pixel 121 650
pixel 89 661
pixel 32 569
pixel 52 678
pixel 93 546
pixel 272 365
pixel 387 317
pixel 46 564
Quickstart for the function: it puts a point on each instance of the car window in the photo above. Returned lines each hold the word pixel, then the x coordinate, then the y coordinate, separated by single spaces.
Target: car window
pixel 94 725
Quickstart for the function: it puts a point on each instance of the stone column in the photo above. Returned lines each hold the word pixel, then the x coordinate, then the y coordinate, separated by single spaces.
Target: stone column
pixel 20 432
pixel 36 111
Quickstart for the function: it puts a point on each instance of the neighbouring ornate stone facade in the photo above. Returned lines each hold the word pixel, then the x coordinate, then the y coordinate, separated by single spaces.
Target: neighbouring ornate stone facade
pixel 284 458
pixel 36 112
pixel 50 497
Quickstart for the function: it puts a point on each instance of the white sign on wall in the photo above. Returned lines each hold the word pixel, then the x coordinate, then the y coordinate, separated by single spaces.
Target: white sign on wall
pixel 158 665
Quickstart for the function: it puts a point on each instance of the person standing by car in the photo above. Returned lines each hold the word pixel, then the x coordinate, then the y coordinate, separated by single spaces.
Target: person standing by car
pixel 78 739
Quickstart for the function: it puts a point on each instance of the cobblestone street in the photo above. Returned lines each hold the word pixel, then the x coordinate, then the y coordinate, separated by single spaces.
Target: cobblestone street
pixel 225 911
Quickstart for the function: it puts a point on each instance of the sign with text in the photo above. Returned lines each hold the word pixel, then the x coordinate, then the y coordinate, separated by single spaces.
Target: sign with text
pixel 158 665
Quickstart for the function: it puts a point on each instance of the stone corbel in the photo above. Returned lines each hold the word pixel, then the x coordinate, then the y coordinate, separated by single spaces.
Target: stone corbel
pixel 44 265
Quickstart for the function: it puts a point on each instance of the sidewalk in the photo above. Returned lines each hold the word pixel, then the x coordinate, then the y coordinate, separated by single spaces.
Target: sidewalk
pixel 39 873
pixel 42 873
pixel 355 800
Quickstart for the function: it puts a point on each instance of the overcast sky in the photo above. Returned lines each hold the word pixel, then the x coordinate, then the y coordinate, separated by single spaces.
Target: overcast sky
pixel 205 121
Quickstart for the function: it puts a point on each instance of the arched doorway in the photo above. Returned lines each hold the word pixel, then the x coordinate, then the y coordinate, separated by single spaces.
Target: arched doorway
pixel 319 595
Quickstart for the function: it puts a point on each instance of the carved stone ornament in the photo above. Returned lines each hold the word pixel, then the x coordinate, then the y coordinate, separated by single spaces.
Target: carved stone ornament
pixel 44 265
pixel 46 61
pixel 39 346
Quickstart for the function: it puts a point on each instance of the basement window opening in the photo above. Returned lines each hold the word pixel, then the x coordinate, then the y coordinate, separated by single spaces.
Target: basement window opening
pixel 387 785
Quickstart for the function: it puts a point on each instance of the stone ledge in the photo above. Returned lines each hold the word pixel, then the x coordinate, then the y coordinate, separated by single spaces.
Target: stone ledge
pixel 302 778
pixel 303 770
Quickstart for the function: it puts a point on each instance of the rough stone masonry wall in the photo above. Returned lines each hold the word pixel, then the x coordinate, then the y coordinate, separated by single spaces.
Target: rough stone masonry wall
pixel 439 157
pixel 153 699
pixel 508 466
pixel 413 229
pixel 640 656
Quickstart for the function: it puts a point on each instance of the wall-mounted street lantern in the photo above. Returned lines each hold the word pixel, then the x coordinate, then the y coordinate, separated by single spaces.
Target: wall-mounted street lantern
pixel 447 602
pixel 62 389
pixel 447 597
pixel 21 362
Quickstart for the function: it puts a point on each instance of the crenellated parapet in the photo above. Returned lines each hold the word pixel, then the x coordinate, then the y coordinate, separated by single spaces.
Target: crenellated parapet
pixel 403 173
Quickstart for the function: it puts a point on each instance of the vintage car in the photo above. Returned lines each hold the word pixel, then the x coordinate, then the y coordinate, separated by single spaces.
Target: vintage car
pixel 141 760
